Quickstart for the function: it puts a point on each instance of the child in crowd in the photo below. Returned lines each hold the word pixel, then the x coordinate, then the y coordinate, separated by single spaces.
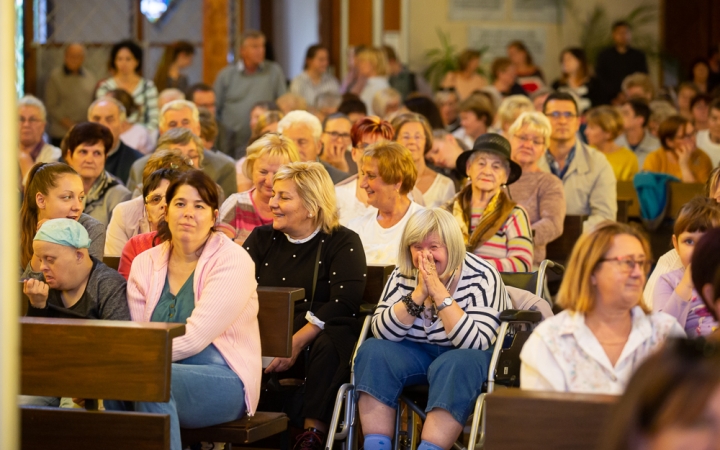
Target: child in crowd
pixel 674 293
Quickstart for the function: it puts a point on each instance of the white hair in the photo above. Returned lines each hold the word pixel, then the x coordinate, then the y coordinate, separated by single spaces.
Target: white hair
pixel 122 112
pixel 177 105
pixel 536 122
pixel 301 118
pixel 511 107
pixel 31 100
pixel 170 94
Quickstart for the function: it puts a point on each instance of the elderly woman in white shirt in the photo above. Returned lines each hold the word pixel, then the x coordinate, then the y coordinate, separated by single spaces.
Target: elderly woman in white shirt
pixel 387 174
pixel 606 330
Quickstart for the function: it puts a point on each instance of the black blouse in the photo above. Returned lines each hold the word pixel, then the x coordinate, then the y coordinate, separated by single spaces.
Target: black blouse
pixel 341 268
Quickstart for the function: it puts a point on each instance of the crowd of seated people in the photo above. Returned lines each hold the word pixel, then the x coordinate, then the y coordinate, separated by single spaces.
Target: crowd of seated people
pixel 206 193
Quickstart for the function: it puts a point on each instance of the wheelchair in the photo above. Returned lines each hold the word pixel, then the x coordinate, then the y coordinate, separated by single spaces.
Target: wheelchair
pixel 504 369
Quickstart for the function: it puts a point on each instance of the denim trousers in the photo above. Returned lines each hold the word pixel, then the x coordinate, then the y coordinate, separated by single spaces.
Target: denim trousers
pixel 204 391
pixel 455 376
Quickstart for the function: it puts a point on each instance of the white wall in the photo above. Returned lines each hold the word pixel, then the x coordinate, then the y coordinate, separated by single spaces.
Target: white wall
pixel 426 16
pixel 295 28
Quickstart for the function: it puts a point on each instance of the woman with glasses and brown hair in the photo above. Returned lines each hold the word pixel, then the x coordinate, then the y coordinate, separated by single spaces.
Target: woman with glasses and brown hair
pixel 606 330
pixel 678 155
pixel 142 214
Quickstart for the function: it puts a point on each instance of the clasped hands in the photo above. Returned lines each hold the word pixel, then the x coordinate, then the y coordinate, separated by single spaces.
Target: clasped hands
pixel 429 288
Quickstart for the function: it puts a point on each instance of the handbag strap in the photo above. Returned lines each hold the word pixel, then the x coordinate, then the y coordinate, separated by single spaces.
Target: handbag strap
pixel 315 274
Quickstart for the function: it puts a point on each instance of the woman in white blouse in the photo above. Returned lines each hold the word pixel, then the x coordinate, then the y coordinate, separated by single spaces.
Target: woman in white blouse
pixel 413 132
pixel 606 330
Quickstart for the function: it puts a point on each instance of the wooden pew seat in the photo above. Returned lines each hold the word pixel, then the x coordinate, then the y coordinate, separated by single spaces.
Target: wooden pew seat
pixel 532 420
pixel 559 249
pixel 244 431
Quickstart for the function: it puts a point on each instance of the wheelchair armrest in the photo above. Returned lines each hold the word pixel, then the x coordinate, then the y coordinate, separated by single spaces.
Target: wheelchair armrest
pixel 520 315
pixel 367 309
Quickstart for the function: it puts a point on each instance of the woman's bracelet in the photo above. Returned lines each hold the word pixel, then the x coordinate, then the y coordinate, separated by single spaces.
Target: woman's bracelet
pixel 413 309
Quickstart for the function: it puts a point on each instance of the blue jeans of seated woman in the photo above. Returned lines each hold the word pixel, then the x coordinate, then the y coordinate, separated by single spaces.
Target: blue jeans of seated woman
pixel 204 391
pixel 455 376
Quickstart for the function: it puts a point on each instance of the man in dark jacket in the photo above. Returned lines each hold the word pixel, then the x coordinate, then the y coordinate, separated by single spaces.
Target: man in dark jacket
pixel 616 62
pixel 111 113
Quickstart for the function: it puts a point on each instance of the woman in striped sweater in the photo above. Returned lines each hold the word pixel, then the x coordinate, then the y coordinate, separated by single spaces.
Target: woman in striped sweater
pixel 495 228
pixel 437 321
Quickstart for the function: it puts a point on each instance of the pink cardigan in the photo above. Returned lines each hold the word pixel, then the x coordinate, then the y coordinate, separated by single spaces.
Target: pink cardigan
pixel 226 306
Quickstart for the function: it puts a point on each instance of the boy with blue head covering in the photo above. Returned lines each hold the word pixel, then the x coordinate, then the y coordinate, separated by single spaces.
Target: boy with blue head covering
pixel 76 285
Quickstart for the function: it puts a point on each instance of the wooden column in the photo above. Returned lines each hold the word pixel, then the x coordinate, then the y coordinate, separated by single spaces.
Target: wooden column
pixel 9 230
pixel 360 29
pixel 216 15
pixel 29 52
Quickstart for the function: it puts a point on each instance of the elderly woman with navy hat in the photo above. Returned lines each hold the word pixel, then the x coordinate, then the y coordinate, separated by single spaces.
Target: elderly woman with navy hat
pixel 494 227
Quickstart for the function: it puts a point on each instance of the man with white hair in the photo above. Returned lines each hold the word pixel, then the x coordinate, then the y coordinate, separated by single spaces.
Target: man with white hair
pixel 111 113
pixel 168 95
pixel 306 130
pixel 184 114
pixel 33 149
pixel 68 92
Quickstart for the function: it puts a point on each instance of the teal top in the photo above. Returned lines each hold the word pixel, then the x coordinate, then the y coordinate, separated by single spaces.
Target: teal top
pixel 175 308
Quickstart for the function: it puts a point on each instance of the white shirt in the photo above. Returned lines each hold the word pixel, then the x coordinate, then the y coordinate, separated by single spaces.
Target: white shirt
pixel 703 142
pixel 440 192
pixel 139 138
pixel 461 135
pixel 372 87
pixel 667 263
pixel 563 355
pixel 349 207
pixel 381 244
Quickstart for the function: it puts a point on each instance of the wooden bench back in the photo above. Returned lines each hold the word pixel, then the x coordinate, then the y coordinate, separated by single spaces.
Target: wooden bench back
pixel 112 262
pixel 97 359
pixel 559 250
pixel 680 194
pixel 276 316
pixel 626 192
pixel 532 420
pixel 377 276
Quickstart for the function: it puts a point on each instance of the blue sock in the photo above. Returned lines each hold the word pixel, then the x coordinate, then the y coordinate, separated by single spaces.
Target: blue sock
pixel 425 445
pixel 377 442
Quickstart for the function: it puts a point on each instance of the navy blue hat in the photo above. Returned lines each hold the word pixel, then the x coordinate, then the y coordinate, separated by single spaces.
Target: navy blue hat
pixel 491 143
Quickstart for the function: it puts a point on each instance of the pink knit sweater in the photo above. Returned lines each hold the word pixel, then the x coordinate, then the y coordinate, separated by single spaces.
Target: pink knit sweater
pixel 226 306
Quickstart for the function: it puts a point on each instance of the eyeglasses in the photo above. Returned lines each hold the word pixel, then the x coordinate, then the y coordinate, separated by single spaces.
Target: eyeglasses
pixel 335 135
pixel 530 140
pixel 30 120
pixel 628 263
pixel 567 115
pixel 154 200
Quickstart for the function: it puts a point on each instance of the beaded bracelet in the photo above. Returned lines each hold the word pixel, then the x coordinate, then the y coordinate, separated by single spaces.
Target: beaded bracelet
pixel 412 308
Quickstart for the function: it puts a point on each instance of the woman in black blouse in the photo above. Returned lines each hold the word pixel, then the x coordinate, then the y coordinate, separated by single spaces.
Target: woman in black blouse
pixel 307 247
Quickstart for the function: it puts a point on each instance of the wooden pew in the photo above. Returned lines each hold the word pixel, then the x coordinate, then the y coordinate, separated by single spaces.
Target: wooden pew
pixel 377 277
pixel 680 194
pixel 559 249
pixel 626 193
pixel 275 317
pixel 112 262
pixel 532 420
pixel 95 359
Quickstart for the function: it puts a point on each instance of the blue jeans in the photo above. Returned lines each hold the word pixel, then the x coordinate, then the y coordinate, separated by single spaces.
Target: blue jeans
pixel 455 376
pixel 204 391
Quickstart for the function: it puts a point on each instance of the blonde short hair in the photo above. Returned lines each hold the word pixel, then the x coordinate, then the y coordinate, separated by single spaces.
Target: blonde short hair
pixel 270 144
pixel 383 98
pixel 641 80
pixel 177 105
pixel 511 107
pixel 291 102
pixel 395 164
pixel 576 291
pixel 316 190
pixel 166 159
pixel 181 136
pixel 421 225
pixel 607 118
pixel 376 57
pixel 122 112
pixel 536 122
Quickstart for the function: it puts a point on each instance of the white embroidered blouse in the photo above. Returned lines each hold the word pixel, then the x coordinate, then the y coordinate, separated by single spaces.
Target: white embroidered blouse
pixel 562 354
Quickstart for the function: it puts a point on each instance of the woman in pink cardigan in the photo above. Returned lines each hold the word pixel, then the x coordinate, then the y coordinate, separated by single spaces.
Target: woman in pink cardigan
pixel 199 277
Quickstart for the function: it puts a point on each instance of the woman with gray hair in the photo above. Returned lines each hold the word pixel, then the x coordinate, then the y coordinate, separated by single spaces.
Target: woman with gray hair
pixel 540 193
pixel 437 322
pixel 494 227
pixel 305 246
